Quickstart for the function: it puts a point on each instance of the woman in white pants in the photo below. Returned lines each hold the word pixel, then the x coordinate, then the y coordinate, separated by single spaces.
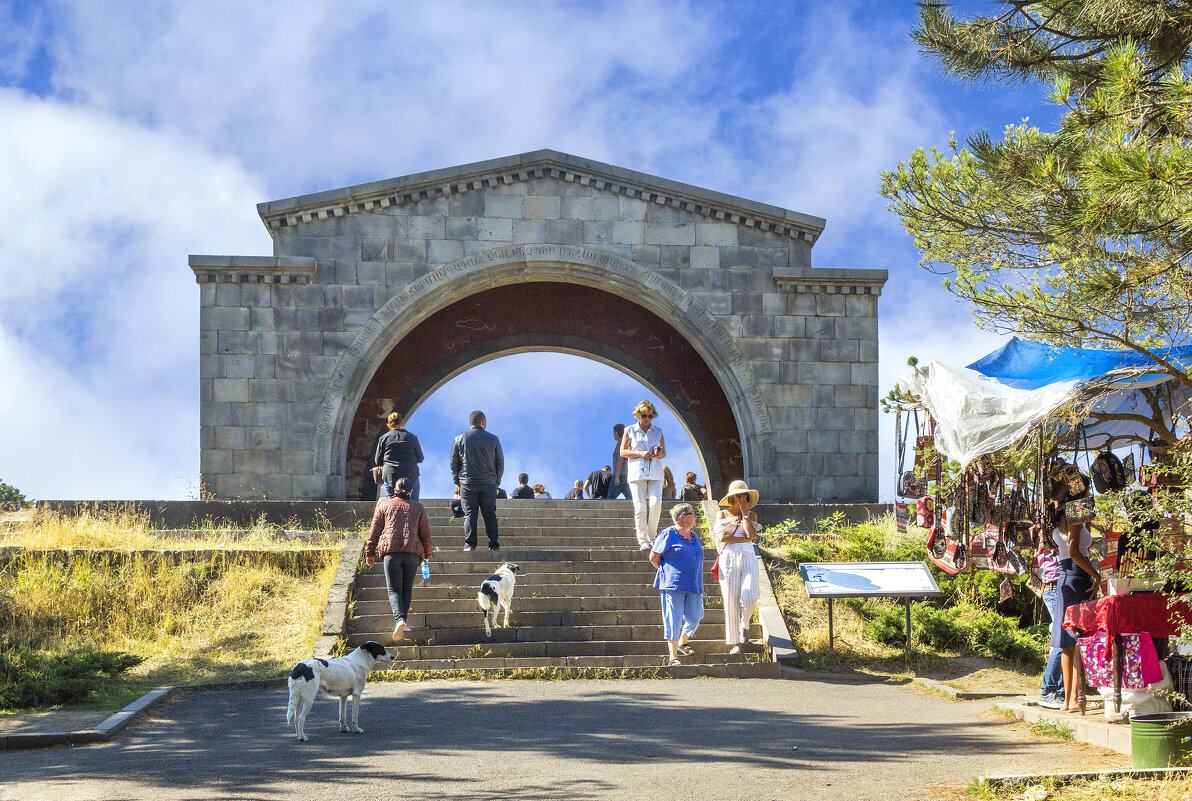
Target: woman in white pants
pixel 735 534
pixel 644 449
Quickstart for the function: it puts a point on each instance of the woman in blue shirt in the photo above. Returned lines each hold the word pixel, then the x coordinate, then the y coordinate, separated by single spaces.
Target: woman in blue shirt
pixel 679 557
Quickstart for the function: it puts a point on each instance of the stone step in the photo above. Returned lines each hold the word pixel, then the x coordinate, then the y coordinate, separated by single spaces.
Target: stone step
pixel 588 510
pixel 645 667
pixel 522 554
pixel 623 541
pixel 591 603
pixel 536 564
pixel 456 579
pixel 377 617
pixel 444 590
pixel 650 645
pixel 440 589
pixel 561 525
pixel 644 632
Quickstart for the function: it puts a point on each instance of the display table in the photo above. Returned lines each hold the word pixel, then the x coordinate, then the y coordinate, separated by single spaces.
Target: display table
pixel 1116 615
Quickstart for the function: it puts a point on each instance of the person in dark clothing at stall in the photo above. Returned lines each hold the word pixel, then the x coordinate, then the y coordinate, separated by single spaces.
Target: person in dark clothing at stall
pixel 398 454
pixel 477 463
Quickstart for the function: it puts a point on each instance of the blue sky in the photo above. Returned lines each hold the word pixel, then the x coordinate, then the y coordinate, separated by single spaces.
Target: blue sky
pixel 132 136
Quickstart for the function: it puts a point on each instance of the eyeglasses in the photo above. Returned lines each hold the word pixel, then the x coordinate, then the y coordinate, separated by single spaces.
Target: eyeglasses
pixel 647 416
pixel 681 514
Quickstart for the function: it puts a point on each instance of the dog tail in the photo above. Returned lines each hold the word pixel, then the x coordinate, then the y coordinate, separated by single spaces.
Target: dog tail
pixel 487 597
pixel 303 672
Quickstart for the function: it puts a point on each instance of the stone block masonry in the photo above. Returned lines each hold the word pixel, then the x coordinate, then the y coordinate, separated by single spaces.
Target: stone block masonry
pixel 289 341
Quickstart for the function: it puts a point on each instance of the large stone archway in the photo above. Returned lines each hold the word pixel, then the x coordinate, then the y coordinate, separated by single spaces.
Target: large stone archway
pixel 464 313
pixel 299 348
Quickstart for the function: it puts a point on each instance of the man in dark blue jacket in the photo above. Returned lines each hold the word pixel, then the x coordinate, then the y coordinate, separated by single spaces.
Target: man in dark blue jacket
pixel 477 463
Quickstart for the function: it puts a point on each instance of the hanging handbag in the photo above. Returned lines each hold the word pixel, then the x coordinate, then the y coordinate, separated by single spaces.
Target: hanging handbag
pixel 1080 511
pixel 716 568
pixel 1109 474
pixel 378 476
pixel 927 460
pixel 911 485
pixel 977 511
pixel 925 512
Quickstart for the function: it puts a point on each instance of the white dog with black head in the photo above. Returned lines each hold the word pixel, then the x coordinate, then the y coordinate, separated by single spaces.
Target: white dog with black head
pixel 496 591
pixel 339 678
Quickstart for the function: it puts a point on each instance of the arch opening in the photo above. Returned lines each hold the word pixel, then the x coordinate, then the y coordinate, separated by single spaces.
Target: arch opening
pixel 545 315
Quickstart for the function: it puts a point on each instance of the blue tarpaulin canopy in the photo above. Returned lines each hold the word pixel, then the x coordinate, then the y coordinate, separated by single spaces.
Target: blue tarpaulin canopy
pixel 1030 365
pixel 997 399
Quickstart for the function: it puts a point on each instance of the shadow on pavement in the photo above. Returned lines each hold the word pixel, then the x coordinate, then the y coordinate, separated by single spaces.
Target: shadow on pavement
pixel 226 742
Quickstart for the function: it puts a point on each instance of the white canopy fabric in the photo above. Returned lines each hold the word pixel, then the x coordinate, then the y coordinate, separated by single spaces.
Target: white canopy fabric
pixel 976 414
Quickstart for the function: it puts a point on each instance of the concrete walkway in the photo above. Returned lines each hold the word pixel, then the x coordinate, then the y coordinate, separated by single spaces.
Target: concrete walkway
pixel 674 739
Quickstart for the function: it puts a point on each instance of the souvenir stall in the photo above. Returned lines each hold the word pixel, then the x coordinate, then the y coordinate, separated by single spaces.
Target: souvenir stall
pixel 988 454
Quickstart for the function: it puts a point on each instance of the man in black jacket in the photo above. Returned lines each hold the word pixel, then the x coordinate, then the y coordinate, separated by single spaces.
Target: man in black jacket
pixel 477 463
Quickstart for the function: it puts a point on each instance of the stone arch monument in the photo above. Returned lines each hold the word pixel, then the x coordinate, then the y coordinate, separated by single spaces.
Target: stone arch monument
pixel 708 299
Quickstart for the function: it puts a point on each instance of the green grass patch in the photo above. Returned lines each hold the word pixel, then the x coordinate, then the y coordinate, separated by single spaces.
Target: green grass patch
pixel 1052 728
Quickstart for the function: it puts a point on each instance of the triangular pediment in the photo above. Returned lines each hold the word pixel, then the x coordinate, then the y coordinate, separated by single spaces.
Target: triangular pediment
pixel 482 175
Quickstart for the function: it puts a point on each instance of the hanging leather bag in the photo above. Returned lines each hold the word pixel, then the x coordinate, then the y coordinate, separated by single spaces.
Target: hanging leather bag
pixel 1109 474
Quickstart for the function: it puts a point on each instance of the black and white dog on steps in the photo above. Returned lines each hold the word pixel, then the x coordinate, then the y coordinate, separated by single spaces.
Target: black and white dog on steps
pixel 497 591
pixel 339 678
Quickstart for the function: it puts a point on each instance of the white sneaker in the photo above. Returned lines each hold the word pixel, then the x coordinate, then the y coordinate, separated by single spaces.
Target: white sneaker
pixel 736 649
pixel 645 546
pixel 1051 701
pixel 399 630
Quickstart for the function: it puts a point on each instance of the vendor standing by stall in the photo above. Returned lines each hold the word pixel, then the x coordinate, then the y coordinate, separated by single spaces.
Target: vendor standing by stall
pixel 1078 582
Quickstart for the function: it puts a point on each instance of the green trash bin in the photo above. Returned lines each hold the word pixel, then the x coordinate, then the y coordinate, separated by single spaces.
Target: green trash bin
pixel 1161 741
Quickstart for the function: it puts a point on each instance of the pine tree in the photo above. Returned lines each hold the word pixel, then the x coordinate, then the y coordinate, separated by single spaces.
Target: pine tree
pixel 1081 235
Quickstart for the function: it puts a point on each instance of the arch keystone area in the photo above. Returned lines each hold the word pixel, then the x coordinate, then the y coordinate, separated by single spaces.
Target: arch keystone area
pixel 299 348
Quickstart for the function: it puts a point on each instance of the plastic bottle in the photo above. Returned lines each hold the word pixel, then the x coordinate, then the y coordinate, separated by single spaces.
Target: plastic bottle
pixel 425 571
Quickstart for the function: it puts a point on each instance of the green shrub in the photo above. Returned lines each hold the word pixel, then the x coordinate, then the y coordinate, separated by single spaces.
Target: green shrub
pixel 11 499
pixel 35 679
pixel 962 628
pixel 887 625
pixel 942 629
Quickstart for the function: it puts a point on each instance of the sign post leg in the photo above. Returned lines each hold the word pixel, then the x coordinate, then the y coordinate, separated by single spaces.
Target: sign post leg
pixel 908 625
pixel 829 624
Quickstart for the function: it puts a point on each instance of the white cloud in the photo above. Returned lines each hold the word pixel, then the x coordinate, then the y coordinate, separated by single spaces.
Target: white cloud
pixel 319 97
pixel 98 309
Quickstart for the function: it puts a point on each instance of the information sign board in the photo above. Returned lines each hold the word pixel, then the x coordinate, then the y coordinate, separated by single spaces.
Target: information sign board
pixel 868 579
pixel 903 580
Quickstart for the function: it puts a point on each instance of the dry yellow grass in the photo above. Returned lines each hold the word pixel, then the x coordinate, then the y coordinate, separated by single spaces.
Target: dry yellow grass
pixel 129 528
pixel 219 615
pixel 1107 789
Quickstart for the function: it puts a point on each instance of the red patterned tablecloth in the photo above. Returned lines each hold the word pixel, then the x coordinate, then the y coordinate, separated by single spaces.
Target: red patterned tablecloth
pixel 1128 614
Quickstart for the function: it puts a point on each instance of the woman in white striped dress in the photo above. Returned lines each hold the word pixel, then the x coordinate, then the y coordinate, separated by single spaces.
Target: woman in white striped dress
pixel 736 533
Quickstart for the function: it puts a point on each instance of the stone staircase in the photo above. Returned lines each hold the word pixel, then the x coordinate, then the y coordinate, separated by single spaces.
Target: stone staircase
pixel 584 599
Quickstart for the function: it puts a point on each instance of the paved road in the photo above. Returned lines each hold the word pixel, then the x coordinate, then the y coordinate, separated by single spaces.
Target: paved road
pixel 579 740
